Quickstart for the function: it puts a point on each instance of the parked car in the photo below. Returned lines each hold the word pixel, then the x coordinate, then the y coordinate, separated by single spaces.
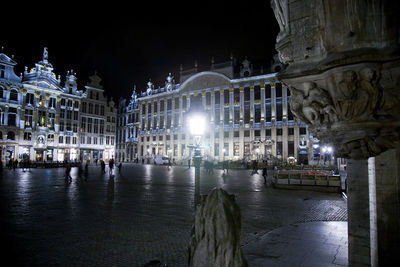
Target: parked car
pixel 161 159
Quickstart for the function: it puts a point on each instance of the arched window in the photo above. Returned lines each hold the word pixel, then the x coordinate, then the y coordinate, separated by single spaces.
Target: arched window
pixel 11 135
pixel 14 95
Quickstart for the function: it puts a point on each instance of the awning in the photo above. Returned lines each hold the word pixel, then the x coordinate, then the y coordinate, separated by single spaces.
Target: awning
pixel 303 152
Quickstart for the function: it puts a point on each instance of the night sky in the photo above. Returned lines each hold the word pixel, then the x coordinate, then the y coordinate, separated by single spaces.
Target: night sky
pixel 127 45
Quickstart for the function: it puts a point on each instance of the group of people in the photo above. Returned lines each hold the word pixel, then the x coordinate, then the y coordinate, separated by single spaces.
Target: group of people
pixel 111 165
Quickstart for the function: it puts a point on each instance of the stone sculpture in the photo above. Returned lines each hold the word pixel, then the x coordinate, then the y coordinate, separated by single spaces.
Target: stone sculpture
pixel 216 234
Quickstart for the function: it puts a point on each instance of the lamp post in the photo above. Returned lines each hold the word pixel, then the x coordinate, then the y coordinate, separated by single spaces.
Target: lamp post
pixel 197 126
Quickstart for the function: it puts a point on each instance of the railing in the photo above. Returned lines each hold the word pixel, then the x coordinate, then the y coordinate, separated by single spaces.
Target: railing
pixel 318 178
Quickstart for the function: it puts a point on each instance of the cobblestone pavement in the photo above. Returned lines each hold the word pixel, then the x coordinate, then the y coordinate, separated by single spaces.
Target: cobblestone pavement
pixel 143 214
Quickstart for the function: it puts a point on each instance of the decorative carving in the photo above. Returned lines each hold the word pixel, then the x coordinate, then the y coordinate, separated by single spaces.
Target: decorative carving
pixel 371 145
pixel 312 104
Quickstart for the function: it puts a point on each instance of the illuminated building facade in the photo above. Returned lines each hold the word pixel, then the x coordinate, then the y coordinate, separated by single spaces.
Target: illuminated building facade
pixel 247 111
pixel 40 120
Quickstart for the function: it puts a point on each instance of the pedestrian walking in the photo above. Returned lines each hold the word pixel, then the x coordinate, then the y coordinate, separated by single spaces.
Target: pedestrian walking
pixel 15 164
pixel 111 167
pixel 119 167
pixel 68 172
pixel 169 164
pixel 103 166
pixel 255 167
pixel 264 174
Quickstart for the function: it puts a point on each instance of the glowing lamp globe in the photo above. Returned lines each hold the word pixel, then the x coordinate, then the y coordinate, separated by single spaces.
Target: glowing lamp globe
pixel 197 125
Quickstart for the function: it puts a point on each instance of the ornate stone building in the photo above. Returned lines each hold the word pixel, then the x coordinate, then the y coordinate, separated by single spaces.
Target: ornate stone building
pixel 39 118
pixel 247 110
pixel 97 123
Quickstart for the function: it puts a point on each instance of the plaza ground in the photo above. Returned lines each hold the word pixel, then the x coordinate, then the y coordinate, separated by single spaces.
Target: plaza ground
pixel 146 213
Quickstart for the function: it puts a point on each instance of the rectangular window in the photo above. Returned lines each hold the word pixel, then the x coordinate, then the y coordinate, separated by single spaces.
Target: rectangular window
pixel 69 114
pixel 62 113
pixel 278 89
pixel 27 136
pixel 279 148
pixel 290 148
pixel 302 130
pixel 217 98
pixel 236 150
pixel 279 111
pixel 89 125
pixel 226 96
pixel 257 133
pixel 247 114
pixel 236 95
pixel 246 150
pixel 61 139
pixel 83 124
pixel 217 116
pixel 216 150
pixel 184 102
pixel 52 103
pixel 247 94
pixel 268 114
pixel 208 99
pixel 176 102
pixel 236 115
pixel 84 107
pixel 96 126
pixel 257 92
pixel 236 134
pixel 290 131
pixel 247 133
pixel 267 91
pixel 28 118
pixel 29 98
pixel 101 127
pixel 278 131
pixel 226 115
pixel 268 132
pixel 226 149
pixel 257 113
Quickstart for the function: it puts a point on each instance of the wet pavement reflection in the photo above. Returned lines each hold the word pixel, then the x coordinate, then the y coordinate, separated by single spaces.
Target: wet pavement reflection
pixel 143 213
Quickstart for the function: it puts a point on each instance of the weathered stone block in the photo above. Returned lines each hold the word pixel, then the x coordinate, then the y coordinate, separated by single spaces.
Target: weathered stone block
pixel 217 232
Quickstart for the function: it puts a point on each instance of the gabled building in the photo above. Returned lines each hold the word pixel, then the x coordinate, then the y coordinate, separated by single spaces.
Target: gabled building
pixel 248 117
pixel 40 116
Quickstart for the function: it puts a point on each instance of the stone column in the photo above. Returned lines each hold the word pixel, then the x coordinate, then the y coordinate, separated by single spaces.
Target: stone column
pixel 262 101
pixel 241 106
pixel 252 106
pixel 273 103
pixel 343 69
pixel 158 114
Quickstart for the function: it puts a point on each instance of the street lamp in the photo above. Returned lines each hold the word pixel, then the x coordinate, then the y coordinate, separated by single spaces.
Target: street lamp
pixel 197 126
pixel 196 119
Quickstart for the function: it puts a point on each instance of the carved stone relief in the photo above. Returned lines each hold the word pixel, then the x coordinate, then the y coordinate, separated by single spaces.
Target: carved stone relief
pixel 350 108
